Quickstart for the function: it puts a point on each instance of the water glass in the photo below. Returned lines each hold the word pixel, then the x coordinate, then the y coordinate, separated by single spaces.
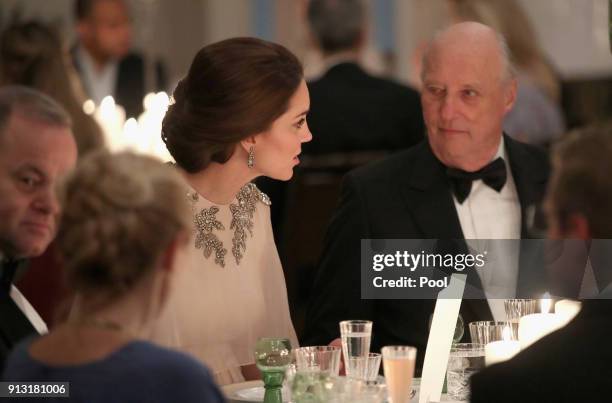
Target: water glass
pixel 398 363
pixel 464 361
pixel 356 336
pixel 318 358
pixel 371 367
pixel 484 332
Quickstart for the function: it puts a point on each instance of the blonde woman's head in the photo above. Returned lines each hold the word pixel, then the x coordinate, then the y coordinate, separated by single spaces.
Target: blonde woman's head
pixel 121 213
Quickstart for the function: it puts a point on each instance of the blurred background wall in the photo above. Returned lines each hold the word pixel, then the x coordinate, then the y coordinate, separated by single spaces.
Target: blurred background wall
pixel 573 33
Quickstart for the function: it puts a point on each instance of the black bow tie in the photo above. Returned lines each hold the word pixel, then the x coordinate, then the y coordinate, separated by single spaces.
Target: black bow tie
pixel 8 268
pixel 493 175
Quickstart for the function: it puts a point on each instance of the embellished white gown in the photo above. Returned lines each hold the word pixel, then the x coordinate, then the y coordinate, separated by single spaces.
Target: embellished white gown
pixel 229 287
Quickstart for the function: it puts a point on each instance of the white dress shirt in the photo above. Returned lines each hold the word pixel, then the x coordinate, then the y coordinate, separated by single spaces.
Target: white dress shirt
pixel 488 214
pixel 97 83
pixel 29 311
pixel 26 308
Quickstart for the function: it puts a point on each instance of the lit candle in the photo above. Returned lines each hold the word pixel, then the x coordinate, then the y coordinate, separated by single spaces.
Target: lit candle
pixel 535 326
pixel 502 350
pixel 150 123
pixel 111 118
pixel 567 309
pixel 89 107
pixel 131 135
pixel 545 303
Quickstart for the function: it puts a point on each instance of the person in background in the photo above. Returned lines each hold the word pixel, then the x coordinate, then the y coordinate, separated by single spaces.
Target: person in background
pixel 32 54
pixel 351 109
pixel 240 113
pixel 123 230
pixel 104 60
pixel 37 149
pixel 573 363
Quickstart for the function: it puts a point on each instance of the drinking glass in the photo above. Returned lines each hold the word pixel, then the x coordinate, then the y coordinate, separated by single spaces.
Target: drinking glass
pixel 356 336
pixel 371 367
pixel 484 332
pixel 311 386
pixel 318 358
pixel 273 356
pixel 398 364
pixel 465 360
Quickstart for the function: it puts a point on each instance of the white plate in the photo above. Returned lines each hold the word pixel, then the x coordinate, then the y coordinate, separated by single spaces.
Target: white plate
pixel 251 391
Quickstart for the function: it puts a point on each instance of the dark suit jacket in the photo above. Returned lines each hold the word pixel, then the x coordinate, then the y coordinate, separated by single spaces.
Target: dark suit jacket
pixel 351 110
pixel 14 325
pixel 130 87
pixel 406 196
pixel 569 365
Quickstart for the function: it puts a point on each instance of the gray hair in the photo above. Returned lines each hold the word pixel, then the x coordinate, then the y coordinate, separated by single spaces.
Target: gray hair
pixel 506 55
pixel 509 69
pixel 336 24
pixel 31 104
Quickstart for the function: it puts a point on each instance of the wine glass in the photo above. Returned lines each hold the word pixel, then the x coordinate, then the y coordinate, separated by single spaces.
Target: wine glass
pixel 273 356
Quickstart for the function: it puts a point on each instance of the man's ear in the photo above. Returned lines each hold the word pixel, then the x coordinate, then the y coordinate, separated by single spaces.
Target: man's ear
pixel 510 95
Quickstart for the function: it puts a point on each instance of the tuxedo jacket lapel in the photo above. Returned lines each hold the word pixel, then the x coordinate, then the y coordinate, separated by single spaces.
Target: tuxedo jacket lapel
pixel 530 178
pixel 428 198
pixel 14 326
pixel 430 202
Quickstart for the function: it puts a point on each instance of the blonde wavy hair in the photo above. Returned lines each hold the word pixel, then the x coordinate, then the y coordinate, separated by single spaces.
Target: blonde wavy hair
pixel 120 212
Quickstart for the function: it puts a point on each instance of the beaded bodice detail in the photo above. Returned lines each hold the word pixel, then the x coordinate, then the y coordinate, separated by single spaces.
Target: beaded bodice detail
pixel 206 223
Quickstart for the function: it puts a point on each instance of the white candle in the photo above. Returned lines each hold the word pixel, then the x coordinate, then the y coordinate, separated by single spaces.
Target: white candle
pixel 567 309
pixel 545 303
pixel 111 118
pixel 502 350
pixel 535 326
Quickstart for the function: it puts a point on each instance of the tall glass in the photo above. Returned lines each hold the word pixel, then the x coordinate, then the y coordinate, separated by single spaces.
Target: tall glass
pixel 398 364
pixel 356 336
pixel 273 356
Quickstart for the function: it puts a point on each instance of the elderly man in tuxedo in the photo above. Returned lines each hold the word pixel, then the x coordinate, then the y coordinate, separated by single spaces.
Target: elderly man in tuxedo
pixel 37 148
pixel 467 180
pixel 573 363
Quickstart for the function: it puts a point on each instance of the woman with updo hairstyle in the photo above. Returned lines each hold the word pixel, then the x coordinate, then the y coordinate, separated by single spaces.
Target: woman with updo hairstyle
pixel 124 228
pixel 240 113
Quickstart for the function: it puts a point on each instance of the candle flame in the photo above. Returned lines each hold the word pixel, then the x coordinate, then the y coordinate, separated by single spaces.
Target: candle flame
pixel 89 107
pixel 108 102
pixel 545 303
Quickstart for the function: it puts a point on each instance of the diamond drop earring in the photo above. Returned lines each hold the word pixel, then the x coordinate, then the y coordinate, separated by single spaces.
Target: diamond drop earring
pixel 251 158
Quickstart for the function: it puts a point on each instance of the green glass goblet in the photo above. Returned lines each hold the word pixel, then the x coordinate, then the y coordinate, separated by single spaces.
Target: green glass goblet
pixel 273 356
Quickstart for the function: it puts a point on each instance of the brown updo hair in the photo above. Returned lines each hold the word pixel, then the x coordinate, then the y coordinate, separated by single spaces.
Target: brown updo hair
pixel 119 213
pixel 234 89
